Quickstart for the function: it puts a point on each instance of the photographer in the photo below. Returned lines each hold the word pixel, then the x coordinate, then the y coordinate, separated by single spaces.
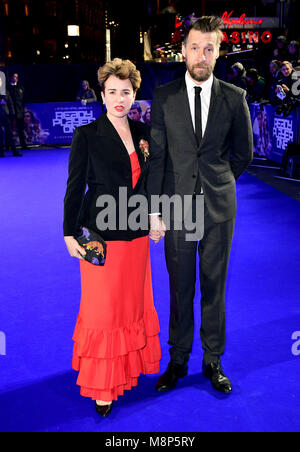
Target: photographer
pixel 16 92
pixel 284 89
pixel 256 86
pixel 86 94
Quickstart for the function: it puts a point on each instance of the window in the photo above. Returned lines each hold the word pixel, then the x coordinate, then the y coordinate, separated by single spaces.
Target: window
pixel 51 8
pixel 6 9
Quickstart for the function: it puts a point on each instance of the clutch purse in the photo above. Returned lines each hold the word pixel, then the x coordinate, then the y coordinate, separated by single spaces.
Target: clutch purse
pixel 94 246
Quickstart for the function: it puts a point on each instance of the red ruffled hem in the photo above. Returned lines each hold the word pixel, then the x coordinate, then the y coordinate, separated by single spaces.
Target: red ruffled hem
pixel 110 362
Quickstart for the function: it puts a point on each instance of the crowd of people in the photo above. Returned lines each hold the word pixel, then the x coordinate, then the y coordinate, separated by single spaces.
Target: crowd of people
pixel 280 85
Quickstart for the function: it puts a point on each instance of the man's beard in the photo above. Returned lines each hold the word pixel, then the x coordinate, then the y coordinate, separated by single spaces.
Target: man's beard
pixel 200 76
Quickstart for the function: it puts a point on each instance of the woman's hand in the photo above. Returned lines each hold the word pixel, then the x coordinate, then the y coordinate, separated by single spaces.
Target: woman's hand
pixel 75 250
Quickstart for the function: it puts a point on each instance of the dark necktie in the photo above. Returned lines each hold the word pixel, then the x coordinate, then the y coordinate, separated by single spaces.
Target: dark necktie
pixel 198 130
pixel 198 120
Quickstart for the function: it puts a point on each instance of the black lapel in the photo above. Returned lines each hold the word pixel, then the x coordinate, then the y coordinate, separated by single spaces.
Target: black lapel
pixel 185 111
pixel 214 106
pixel 106 128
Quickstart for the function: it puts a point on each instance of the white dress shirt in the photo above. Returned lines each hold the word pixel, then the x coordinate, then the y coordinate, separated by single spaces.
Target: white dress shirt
pixel 205 102
pixel 205 98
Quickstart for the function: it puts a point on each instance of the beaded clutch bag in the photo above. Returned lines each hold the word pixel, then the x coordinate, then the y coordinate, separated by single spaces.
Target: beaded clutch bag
pixel 94 246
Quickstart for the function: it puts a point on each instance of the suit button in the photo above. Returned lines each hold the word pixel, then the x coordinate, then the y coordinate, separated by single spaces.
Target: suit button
pixel 199 154
pixel 194 176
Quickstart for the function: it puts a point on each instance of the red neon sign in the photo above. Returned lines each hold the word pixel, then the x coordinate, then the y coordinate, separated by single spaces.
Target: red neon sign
pixel 240 21
pixel 237 37
pixel 178 23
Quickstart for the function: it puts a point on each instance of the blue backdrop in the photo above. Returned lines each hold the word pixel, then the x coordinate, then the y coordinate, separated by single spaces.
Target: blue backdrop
pixel 272 132
pixel 54 123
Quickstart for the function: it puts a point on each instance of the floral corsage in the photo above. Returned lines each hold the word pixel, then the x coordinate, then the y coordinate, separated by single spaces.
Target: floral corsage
pixel 144 147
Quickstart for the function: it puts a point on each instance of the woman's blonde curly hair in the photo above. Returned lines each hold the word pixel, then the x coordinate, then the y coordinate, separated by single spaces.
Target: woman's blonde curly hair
pixel 123 69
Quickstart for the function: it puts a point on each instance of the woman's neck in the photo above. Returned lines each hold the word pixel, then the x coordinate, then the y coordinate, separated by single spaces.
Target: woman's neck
pixel 118 122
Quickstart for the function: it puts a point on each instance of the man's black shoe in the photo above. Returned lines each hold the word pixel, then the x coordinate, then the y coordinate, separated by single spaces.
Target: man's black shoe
pixel 215 374
pixel 169 379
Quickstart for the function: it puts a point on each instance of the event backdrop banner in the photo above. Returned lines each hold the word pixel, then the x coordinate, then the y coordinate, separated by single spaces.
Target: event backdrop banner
pixel 54 123
pixel 284 131
pixel 272 132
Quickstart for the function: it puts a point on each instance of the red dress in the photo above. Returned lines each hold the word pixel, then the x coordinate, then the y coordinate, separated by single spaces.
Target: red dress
pixel 116 334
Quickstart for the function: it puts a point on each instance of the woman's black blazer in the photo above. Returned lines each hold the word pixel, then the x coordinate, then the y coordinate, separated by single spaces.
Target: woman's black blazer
pixel 99 160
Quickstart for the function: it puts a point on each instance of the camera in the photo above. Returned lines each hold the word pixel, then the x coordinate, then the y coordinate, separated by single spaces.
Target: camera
pixel 280 92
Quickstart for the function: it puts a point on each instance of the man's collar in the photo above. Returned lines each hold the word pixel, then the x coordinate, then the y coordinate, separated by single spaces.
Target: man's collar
pixel 206 86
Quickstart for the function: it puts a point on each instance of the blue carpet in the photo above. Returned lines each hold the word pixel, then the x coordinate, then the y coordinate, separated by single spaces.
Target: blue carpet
pixel 39 302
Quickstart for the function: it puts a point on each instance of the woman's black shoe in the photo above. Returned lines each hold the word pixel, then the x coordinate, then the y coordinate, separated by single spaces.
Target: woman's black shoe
pixel 103 410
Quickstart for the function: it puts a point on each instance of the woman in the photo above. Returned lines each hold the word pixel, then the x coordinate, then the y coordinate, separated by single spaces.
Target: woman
pixel 116 335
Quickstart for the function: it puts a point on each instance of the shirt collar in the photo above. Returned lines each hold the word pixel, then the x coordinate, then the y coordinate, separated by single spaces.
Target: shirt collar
pixel 206 86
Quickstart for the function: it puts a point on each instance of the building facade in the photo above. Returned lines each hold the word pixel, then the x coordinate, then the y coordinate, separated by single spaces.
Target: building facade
pixel 35 31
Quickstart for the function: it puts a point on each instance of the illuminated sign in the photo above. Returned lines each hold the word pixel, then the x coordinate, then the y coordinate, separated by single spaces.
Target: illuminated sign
pixel 242 20
pixel 245 37
pixel 243 30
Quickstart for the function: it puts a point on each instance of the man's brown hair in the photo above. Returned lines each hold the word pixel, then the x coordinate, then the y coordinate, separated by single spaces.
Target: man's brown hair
pixel 206 24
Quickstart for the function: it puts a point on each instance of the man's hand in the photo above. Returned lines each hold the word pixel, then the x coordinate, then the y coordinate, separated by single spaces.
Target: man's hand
pixel 157 228
pixel 285 88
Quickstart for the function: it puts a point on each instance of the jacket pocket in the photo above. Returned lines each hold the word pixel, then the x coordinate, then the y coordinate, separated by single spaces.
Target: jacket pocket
pixel 225 177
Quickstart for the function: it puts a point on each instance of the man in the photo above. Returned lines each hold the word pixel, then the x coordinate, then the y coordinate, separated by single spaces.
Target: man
pixel 288 77
pixel 287 84
pixel 86 94
pixel 6 138
pixel 16 92
pixel 135 112
pixel 239 75
pixel 274 70
pixel 190 155
pixel 280 52
pixel 256 86
pixel 293 53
